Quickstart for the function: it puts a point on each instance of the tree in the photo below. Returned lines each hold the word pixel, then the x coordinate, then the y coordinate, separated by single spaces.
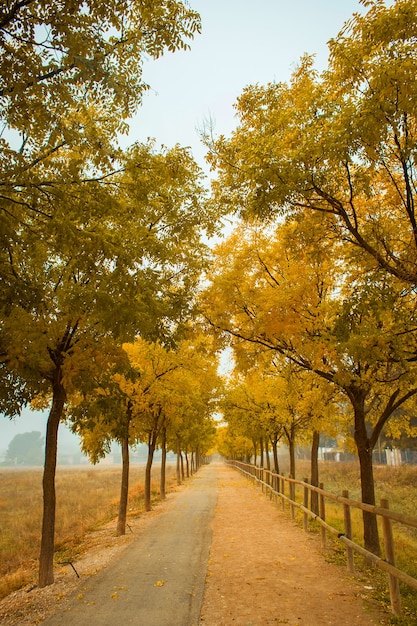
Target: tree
pixel 232 445
pixel 104 414
pixel 26 449
pixel 71 74
pixel 342 144
pixel 153 365
pixel 288 292
pixel 172 396
pixel 129 255
pixel 140 399
pixel 276 400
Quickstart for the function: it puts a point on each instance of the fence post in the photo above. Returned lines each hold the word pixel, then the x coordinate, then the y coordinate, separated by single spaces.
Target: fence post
pixel 394 587
pixel 306 490
pixel 322 512
pixel 348 533
pixel 275 486
pixel 283 493
pixel 292 497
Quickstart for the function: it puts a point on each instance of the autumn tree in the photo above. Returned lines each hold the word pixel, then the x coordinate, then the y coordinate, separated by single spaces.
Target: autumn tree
pixel 153 365
pixel 339 149
pixel 341 144
pixel 277 401
pixel 232 445
pixel 288 292
pixel 175 391
pixel 143 398
pixel 73 261
pixel 103 414
pixel 129 256
pixel 71 75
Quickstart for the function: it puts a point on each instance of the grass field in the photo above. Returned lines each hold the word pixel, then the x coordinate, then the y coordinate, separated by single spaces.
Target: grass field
pixel 399 486
pixel 86 497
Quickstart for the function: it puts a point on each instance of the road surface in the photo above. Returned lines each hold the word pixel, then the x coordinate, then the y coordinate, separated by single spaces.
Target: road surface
pixel 159 579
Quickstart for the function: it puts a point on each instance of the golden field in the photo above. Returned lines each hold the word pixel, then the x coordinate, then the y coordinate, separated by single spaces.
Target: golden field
pixel 86 497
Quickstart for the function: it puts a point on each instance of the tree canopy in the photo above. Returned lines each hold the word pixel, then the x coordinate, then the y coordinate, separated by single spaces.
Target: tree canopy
pixel 341 143
pixel 287 291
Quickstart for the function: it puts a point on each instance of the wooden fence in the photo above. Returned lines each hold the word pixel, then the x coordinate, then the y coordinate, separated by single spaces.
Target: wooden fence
pixel 279 486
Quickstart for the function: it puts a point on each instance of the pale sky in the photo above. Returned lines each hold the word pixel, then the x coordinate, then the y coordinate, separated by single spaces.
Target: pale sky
pixel 243 42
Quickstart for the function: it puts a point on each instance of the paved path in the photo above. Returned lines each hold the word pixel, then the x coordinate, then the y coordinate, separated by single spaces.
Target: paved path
pixel 159 579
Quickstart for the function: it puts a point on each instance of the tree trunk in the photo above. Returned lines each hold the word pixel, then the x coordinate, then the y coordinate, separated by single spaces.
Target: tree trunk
pixel 289 434
pixel 163 463
pixel 187 465
pixel 292 457
pixel 275 454
pixel 261 452
pixel 46 558
pixel 255 451
pixel 148 472
pixel 178 460
pixel 124 489
pixel 182 466
pixel 268 460
pixel 314 471
pixel 370 524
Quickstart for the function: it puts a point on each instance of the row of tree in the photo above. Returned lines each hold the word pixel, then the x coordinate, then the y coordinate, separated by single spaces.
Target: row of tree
pixel 162 397
pixel 102 249
pixel 100 246
pixel 316 290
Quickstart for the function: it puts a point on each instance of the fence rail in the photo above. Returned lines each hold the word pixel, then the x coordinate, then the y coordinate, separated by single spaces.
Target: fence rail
pixel 274 484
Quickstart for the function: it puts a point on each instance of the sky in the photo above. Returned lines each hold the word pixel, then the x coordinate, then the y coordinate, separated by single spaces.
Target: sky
pixel 243 42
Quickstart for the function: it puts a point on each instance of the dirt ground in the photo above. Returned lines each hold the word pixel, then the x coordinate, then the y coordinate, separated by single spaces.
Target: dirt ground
pixel 263 569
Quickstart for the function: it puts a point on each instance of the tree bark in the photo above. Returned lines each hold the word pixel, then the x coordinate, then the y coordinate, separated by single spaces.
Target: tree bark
pixel 178 460
pixel 148 472
pixel 163 463
pixel 268 460
pixel 261 452
pixel 289 433
pixel 314 471
pixel 275 454
pixel 370 525
pixel 255 451
pixel 124 489
pixel 46 558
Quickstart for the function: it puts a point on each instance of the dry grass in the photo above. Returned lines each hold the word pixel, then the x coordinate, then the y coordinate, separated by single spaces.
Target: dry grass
pixel 86 498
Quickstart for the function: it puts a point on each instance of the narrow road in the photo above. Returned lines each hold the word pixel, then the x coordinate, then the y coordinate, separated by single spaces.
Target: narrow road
pixel 221 554
pixel 159 579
